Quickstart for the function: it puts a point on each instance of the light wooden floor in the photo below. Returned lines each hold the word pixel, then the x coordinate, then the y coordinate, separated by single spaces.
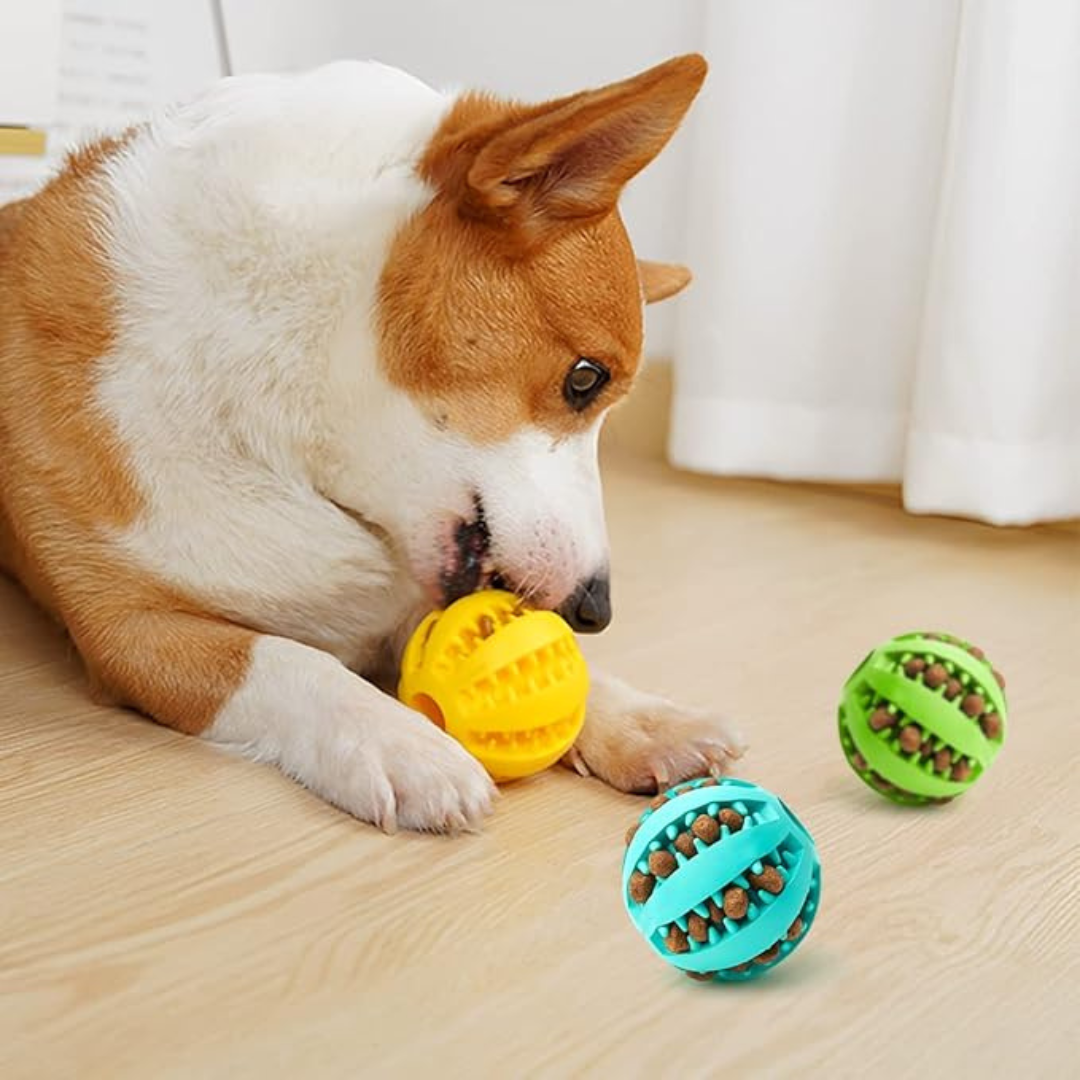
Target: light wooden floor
pixel 166 912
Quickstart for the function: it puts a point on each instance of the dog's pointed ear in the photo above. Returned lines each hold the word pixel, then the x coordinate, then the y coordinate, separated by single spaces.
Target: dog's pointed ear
pixel 538 169
pixel 661 280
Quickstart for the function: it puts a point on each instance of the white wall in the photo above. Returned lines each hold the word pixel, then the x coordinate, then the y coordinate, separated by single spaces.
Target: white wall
pixel 529 50
pixel 29 61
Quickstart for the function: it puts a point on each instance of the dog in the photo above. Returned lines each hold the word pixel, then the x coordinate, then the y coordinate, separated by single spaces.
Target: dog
pixel 285 367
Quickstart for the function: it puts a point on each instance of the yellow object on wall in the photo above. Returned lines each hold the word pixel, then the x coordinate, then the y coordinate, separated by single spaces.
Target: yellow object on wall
pixel 27 142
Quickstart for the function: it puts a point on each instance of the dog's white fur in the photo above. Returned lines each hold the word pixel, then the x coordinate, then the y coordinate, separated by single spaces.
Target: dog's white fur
pixel 287 484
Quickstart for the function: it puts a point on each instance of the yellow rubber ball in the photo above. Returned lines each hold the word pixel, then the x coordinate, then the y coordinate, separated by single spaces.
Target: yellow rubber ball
pixel 507 681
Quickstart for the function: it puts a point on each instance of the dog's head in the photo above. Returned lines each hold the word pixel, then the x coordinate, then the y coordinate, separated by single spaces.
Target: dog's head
pixel 509 321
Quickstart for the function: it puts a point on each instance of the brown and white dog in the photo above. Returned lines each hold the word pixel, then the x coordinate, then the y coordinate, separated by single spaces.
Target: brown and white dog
pixel 284 367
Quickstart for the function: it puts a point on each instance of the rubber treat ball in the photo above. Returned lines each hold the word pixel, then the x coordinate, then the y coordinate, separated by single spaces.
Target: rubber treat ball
pixel 721 878
pixel 508 682
pixel 922 717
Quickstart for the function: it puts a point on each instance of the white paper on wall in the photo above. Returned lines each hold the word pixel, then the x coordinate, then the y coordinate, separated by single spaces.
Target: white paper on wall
pixel 119 60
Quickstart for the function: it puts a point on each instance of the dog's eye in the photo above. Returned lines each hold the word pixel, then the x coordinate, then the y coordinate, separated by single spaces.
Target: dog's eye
pixel 584 382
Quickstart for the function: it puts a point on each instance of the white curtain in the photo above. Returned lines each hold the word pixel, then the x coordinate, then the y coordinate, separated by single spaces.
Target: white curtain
pixel 884 216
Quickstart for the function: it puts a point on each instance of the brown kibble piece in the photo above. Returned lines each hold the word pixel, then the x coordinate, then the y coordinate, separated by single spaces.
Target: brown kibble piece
pixel 706 828
pixel 631 831
pixel 881 718
pixel 999 678
pixel 961 770
pixel 487 626
pixel 976 652
pixel 795 930
pixel 973 704
pixel 641 886
pixel 736 902
pixel 658 801
pixel 702 976
pixel 859 761
pixel 952 689
pixel 926 749
pixel 910 738
pixel 739 967
pixel 716 913
pixel 943 759
pixel 684 845
pixel 769 955
pixel 991 725
pixel 880 782
pixel 769 879
pixel 914 666
pixel 731 818
pixel 709 781
pixel 935 676
pixel 697 927
pixel 662 863
pixel 676 940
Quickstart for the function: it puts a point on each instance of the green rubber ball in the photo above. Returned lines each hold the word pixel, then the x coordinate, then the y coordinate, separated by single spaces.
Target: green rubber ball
pixel 923 717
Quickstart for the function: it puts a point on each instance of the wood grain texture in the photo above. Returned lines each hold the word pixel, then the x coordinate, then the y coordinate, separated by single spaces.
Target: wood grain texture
pixel 168 911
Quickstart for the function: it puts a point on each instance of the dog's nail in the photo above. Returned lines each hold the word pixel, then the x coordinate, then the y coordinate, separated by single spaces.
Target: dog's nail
pixel 578 762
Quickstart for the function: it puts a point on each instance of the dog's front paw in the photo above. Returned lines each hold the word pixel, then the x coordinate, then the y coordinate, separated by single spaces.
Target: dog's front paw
pixel 419 778
pixel 641 743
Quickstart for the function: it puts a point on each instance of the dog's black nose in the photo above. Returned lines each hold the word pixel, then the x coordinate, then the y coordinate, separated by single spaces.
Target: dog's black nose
pixel 589 610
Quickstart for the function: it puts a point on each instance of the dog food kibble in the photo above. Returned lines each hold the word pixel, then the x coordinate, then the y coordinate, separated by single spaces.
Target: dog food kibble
pixel 961 770
pixel 697 927
pixel 999 679
pixel 716 913
pixel 487 626
pixel 731 818
pixel 914 666
pixel 684 845
pixel 736 902
pixel 926 748
pixel 630 833
pixel 769 879
pixel 935 676
pixel 910 738
pixel 952 689
pixel 662 863
pixel 943 759
pixel 991 725
pixel 769 955
pixel 795 930
pixel 676 941
pixel 859 761
pixel 973 704
pixel 706 828
pixel 881 718
pixel 976 652
pixel 659 801
pixel 709 781
pixel 641 886
pixel 702 976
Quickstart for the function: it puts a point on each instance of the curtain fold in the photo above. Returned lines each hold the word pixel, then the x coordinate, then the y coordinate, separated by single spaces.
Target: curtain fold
pixel 885 234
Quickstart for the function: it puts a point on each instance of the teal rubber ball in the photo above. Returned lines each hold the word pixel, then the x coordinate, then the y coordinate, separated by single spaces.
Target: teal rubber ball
pixel 721 879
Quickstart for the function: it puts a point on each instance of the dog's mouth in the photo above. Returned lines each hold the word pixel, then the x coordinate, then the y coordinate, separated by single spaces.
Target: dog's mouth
pixel 469 565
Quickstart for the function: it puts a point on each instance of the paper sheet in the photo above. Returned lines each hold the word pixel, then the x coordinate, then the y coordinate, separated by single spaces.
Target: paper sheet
pixel 119 59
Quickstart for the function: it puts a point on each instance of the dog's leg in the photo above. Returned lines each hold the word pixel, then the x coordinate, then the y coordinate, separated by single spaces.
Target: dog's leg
pixel 640 742
pixel 282 702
